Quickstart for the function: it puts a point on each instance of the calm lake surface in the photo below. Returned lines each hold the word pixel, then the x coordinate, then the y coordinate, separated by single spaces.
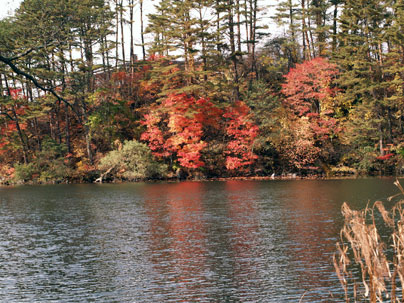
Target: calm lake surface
pixel 233 241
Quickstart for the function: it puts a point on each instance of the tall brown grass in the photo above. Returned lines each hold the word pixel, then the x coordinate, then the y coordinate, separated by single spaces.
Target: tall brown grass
pixel 371 269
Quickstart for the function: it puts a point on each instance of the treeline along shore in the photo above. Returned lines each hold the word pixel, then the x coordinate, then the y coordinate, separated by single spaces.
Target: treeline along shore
pixel 214 93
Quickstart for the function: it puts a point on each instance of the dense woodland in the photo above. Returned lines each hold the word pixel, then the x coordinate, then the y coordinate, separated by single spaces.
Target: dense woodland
pixel 214 92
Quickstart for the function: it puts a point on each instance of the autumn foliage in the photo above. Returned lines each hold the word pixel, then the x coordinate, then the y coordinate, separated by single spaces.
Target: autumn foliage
pixel 308 87
pixel 175 127
pixel 14 110
pixel 242 132
pixel 181 127
pixel 309 101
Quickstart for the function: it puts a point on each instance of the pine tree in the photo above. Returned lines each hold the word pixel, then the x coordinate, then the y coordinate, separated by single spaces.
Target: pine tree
pixel 365 77
pixel 287 15
pixel 318 13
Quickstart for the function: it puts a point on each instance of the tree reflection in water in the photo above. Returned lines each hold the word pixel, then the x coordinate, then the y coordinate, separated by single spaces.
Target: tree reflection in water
pixel 178 231
pixel 204 249
pixel 311 227
pixel 244 239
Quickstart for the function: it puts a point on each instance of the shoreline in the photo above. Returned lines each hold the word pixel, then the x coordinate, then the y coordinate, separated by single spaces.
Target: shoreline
pixel 220 179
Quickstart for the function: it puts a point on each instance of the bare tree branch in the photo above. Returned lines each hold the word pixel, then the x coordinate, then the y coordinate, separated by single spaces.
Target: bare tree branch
pixel 9 62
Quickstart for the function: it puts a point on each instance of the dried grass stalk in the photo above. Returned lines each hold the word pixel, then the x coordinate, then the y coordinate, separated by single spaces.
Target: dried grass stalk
pixel 361 247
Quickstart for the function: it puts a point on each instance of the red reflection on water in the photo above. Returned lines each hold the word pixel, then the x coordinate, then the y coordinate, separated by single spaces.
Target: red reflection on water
pixel 311 231
pixel 243 212
pixel 179 239
pixel 178 236
pixel 186 226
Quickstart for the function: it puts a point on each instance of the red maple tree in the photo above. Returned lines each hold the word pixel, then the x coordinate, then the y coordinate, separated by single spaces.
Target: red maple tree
pixel 181 126
pixel 176 127
pixel 309 101
pixel 308 87
pixel 242 132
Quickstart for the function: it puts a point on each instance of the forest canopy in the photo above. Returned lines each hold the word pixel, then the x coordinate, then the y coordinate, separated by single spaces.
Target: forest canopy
pixel 214 93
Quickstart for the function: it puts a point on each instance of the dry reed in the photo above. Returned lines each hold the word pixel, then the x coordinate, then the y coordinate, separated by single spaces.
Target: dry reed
pixel 361 250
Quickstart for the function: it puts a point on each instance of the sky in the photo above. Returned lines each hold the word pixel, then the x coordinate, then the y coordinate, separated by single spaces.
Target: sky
pixel 7 7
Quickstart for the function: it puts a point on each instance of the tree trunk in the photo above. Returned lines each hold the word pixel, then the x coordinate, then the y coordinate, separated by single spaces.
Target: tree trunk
pixel 122 20
pixel 291 21
pixel 334 28
pixel 87 134
pixel 116 33
pixel 311 48
pixel 71 58
pixel 254 37
pixel 21 137
pixel 67 129
pixel 203 43
pixel 306 41
pixel 132 50
pixel 218 34
pixel 107 58
pixel 238 25
pixel 381 147
pixel 17 124
pixel 233 56
pixel 142 30
pixel 246 27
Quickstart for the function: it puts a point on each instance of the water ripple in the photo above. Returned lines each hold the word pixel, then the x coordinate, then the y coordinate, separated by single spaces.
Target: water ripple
pixel 183 242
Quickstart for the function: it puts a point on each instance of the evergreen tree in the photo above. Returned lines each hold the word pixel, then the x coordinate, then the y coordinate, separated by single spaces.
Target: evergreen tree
pixel 365 77
pixel 287 15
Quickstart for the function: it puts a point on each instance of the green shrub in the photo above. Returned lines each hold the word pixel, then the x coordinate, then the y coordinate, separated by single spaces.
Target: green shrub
pixel 48 166
pixel 24 172
pixel 133 162
pixel 362 159
pixel 56 172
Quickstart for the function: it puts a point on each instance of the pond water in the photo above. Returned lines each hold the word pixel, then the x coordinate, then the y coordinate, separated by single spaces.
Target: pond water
pixel 232 241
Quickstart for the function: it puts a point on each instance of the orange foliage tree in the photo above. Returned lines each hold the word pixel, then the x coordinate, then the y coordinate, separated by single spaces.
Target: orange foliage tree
pixel 181 126
pixel 308 86
pixel 242 132
pixel 310 96
pixel 14 124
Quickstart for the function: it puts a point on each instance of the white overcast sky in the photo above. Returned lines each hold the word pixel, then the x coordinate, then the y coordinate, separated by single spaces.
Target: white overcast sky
pixel 7 8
